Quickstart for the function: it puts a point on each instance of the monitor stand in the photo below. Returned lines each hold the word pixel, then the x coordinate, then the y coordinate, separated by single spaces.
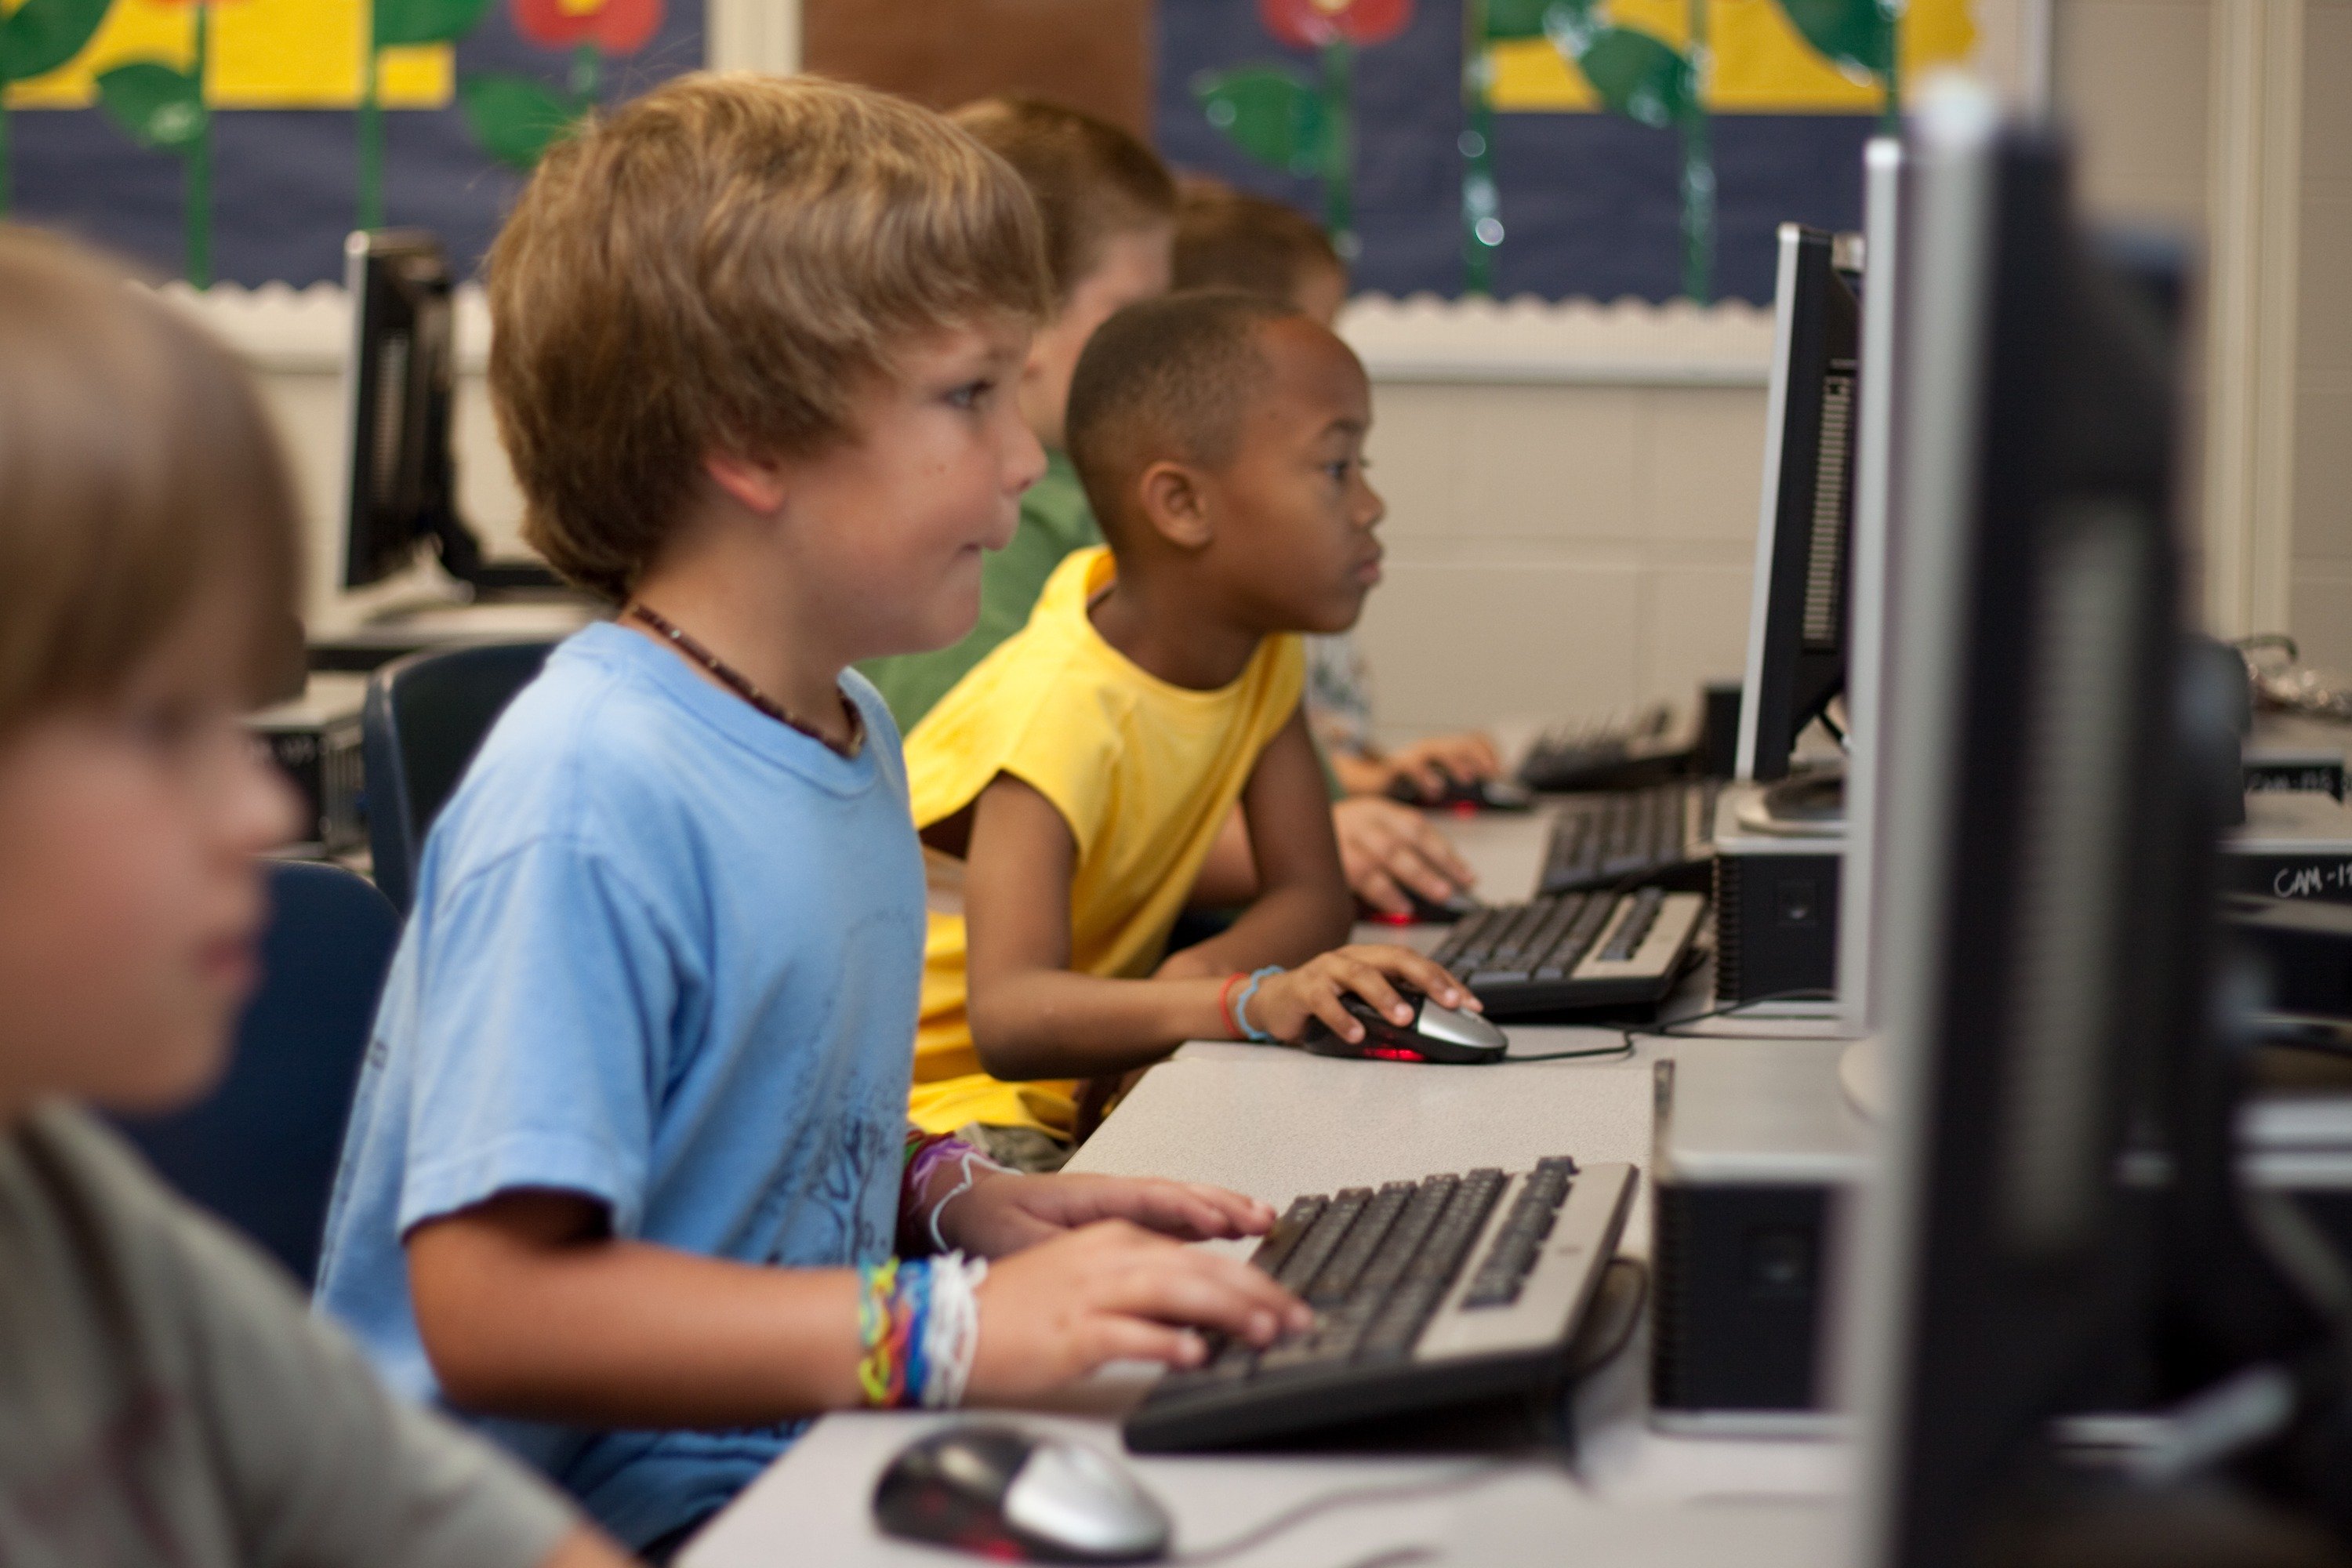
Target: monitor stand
pixel 1808 804
pixel 1861 1073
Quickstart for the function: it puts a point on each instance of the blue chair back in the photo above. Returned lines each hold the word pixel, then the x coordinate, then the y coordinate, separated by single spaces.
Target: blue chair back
pixel 262 1150
pixel 421 722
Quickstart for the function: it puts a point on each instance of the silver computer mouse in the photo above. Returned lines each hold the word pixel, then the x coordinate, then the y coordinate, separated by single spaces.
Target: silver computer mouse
pixel 1435 1035
pixel 997 1491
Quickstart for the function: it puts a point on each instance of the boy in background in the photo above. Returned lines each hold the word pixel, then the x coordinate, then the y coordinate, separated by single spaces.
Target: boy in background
pixel 1071 787
pixel 1109 208
pixel 1229 239
pixel 166 1398
pixel 628 1176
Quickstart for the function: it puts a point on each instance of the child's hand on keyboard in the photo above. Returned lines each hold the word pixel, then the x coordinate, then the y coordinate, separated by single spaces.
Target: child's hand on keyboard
pixel 1114 1291
pixel 1005 1213
pixel 1284 1001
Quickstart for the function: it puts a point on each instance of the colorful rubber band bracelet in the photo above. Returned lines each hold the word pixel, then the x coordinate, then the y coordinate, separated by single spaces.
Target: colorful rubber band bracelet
pixel 1250 1031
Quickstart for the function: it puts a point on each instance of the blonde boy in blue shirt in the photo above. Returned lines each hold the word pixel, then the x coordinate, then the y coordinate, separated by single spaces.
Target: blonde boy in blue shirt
pixel 625 1173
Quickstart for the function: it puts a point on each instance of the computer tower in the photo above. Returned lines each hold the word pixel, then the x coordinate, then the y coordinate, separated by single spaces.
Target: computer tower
pixel 315 740
pixel 1757 1151
pixel 2294 844
pixel 1776 903
pixel 1755 1147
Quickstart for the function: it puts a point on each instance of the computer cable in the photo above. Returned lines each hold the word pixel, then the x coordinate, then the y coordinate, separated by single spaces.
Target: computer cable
pixel 1674 1028
pixel 1624 1048
pixel 1464 1479
pixel 1586 1365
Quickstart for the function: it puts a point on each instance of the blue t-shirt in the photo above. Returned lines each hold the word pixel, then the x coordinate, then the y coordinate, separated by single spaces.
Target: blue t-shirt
pixel 664 953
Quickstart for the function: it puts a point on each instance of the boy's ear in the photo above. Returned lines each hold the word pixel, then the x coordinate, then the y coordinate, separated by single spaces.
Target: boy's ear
pixel 757 484
pixel 1175 501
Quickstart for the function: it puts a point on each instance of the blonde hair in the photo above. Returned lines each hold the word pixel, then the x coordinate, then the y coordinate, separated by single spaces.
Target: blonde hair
pixel 726 264
pixel 137 470
pixel 1091 179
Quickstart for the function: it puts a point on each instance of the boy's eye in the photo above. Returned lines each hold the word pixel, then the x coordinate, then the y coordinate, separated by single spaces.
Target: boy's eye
pixel 970 394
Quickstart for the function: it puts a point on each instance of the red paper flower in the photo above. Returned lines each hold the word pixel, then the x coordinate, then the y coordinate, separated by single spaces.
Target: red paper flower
pixel 1311 24
pixel 615 27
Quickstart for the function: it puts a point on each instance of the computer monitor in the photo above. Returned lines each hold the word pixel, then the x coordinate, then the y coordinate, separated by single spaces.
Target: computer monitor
pixel 400 383
pixel 2029 919
pixel 1798 620
pixel 1871 586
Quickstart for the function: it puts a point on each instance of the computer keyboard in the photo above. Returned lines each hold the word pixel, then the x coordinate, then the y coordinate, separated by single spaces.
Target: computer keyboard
pixel 1611 753
pixel 1571 952
pixel 1664 834
pixel 1451 1288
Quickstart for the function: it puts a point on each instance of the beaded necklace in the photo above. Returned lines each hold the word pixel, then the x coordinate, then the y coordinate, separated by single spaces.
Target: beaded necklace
pixel 735 681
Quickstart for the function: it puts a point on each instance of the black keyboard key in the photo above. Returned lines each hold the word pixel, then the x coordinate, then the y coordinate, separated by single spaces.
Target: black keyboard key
pixel 1635 927
pixel 1286 1234
pixel 1404 1239
pixel 1338 1279
pixel 1575 853
pixel 1504 1271
pixel 1434 1264
pixel 1322 1239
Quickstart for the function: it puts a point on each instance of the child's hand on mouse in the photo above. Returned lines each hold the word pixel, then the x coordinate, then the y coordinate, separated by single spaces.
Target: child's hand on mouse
pixel 1114 1291
pixel 1431 765
pixel 1386 847
pixel 1284 1002
pixel 1003 1212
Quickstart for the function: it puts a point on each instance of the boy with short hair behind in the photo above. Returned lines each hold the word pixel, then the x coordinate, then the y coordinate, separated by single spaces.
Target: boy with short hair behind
pixel 630 1154
pixel 166 1399
pixel 1107 207
pixel 1227 238
pixel 1075 781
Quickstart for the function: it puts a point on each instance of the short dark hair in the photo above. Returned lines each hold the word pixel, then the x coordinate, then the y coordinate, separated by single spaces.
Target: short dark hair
pixel 1169 377
pixel 1229 239
pixel 1091 179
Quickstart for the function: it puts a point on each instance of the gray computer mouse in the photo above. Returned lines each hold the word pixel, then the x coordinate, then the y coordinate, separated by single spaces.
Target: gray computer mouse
pixel 1000 1492
pixel 1435 1035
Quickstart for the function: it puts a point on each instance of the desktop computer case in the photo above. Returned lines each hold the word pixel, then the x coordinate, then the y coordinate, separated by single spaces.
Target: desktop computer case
pixel 1776 903
pixel 315 741
pixel 2294 844
pixel 1755 1146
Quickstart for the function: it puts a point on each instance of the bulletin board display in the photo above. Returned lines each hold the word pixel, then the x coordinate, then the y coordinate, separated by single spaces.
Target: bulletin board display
pixel 1557 148
pixel 241 139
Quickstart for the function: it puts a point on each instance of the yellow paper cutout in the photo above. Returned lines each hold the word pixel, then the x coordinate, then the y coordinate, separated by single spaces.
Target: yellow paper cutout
pixel 265 54
pixel 1762 65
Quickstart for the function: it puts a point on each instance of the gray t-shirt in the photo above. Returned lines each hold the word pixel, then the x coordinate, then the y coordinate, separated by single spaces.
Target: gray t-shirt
pixel 167 1399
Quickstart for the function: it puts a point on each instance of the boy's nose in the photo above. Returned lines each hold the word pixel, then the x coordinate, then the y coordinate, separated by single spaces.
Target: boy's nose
pixel 1025 461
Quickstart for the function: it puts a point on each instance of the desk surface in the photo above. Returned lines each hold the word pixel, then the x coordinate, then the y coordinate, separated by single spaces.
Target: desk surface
pixel 1277 1123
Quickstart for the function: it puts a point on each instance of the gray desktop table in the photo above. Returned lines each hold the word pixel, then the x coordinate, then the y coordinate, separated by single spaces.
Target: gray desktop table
pixel 1277 1123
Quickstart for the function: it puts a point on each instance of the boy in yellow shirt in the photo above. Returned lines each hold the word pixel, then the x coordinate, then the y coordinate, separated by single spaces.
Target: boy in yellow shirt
pixel 1069 789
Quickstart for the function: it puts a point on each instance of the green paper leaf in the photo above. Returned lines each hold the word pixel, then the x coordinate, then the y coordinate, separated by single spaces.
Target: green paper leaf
pixel 1637 75
pixel 42 34
pixel 157 106
pixel 400 22
pixel 1269 112
pixel 516 117
pixel 1507 19
pixel 1855 36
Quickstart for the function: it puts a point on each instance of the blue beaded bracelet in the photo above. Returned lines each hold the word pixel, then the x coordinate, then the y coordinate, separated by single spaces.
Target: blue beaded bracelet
pixel 1250 1031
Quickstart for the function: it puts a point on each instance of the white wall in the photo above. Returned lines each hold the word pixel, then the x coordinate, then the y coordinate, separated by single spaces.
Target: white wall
pixel 1571 490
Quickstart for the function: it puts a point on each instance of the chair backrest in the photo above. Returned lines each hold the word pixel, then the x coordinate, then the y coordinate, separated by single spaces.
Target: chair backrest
pixel 260 1151
pixel 423 719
